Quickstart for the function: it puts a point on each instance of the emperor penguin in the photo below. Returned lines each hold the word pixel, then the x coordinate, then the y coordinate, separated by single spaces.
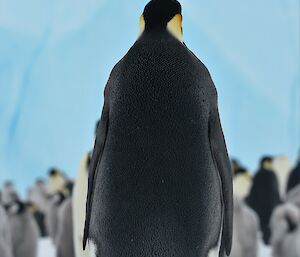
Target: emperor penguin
pixel 79 205
pixel 57 193
pixel 294 177
pixel 160 180
pixel 264 195
pixel 282 166
pixel 24 230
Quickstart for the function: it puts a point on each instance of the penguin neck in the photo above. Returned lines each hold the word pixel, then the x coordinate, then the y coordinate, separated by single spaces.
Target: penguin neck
pixel 158 33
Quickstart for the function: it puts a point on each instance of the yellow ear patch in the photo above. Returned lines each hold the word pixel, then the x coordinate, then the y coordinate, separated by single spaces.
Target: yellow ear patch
pixel 141 25
pixel 175 27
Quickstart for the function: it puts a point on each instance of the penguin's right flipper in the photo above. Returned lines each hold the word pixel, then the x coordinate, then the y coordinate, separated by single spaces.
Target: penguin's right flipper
pixel 101 133
pixel 220 155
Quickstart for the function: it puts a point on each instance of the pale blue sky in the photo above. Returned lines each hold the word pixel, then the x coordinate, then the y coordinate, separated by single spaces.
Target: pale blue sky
pixel 55 58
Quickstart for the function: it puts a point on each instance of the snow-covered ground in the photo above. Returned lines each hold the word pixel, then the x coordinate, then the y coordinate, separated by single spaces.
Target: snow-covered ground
pixel 46 249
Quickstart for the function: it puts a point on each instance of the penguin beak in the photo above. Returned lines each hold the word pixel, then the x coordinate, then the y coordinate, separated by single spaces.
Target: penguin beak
pixel 141 25
pixel 175 27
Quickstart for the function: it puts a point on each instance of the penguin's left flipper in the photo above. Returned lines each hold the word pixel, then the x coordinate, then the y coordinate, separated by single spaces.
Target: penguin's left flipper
pixel 101 133
pixel 220 155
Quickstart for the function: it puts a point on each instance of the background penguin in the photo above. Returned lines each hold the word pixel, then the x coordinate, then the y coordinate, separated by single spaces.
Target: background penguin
pixel 264 195
pixel 160 180
pixel 242 182
pixel 39 217
pixel 23 229
pixel 245 230
pixel 56 183
pixel 281 166
pixel 294 177
pixel 37 194
pixel 8 193
pixel 79 205
pixel 57 194
pixel 64 238
pixel 5 235
pixel 285 226
pixel 293 196
pixel 38 199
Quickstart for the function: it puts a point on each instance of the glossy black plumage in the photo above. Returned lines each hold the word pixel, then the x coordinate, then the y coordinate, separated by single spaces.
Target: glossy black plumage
pixel 160 174
pixel 263 198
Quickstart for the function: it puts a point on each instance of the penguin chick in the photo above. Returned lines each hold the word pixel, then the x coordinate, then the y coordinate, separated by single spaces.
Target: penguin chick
pixel 23 229
pixel 8 193
pixel 52 215
pixel 245 230
pixel 285 227
pixel 65 245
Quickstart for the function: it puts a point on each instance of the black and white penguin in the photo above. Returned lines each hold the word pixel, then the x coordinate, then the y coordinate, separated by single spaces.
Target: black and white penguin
pixel 281 166
pixel 242 182
pixel 294 177
pixel 79 205
pixel 24 230
pixel 264 195
pixel 5 235
pixel 57 192
pixel 160 181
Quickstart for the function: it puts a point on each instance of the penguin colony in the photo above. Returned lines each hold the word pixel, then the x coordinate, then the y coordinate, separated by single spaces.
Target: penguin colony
pixel 284 221
pixel 159 180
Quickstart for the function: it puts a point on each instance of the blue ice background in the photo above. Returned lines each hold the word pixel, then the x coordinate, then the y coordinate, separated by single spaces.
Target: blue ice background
pixel 56 56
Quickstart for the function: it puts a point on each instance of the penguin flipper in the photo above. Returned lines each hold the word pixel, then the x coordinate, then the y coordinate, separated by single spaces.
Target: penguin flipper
pixel 221 159
pixel 101 133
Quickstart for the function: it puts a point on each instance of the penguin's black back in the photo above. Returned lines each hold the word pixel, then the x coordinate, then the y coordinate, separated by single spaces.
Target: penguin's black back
pixel 156 189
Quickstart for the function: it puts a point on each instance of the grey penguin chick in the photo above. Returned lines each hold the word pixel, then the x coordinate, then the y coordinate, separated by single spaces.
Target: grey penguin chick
pixel 245 230
pixel 160 181
pixel 65 245
pixel 24 230
pixel 285 227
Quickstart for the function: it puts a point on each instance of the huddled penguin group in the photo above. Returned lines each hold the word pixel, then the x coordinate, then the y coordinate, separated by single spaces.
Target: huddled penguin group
pixel 160 181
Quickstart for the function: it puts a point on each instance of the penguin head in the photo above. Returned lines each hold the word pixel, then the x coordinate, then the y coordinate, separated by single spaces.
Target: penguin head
pixel 266 162
pixel 162 15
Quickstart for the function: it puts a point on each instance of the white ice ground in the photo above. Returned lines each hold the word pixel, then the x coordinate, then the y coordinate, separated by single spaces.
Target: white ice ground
pixel 46 249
